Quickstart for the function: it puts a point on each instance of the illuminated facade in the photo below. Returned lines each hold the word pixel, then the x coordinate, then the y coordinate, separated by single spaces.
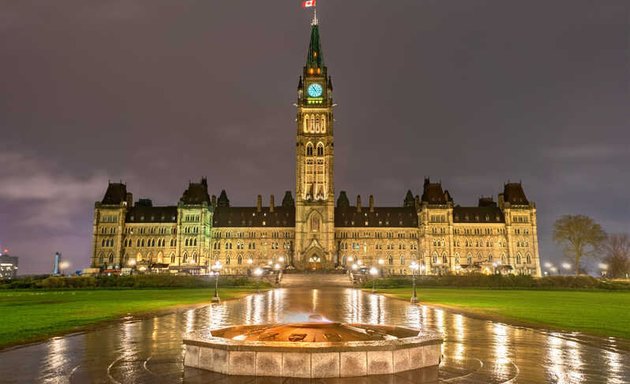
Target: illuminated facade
pixel 312 230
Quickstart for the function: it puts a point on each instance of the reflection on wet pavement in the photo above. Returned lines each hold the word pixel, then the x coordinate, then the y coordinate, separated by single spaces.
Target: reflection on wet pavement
pixel 475 351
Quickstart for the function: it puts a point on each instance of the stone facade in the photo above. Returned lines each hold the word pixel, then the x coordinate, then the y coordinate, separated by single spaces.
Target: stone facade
pixel 313 231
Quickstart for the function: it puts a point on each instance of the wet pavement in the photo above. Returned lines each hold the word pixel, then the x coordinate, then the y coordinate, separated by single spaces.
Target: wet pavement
pixel 474 351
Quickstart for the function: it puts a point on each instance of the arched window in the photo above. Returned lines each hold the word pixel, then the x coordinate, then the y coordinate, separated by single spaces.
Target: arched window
pixel 402 260
pixel 100 259
pixel 444 259
pixel 227 260
pixel 317 124
pixel 518 258
pixel 309 149
pixel 306 122
pixel 391 260
pixel 322 124
pixel 172 258
pixel 111 258
pixel 529 258
pixel 239 260
pixel 315 223
pixel 320 149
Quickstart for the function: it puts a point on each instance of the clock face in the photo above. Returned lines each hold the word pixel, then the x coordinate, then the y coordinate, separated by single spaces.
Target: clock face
pixel 315 90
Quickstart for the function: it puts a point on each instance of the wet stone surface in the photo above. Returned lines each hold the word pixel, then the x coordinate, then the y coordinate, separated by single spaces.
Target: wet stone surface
pixel 474 351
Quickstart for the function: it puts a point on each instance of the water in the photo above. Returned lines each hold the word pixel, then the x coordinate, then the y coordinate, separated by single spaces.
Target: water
pixel 474 351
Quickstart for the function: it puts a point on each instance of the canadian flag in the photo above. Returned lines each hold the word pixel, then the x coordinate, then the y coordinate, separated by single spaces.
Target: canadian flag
pixel 309 3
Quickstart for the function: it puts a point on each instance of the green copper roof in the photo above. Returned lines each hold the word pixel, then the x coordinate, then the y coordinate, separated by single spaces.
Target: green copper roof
pixel 315 58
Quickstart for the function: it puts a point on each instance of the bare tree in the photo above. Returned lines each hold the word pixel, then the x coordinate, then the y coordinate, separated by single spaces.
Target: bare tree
pixel 617 255
pixel 579 235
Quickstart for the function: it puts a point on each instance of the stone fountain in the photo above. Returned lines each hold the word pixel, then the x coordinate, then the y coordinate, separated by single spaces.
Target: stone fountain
pixel 314 349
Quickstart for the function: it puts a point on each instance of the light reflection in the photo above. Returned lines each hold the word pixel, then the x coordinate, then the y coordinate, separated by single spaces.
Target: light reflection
pixel 614 367
pixel 459 327
pixel 315 301
pixel 556 362
pixel 574 361
pixel 501 350
pixel 354 307
pixel 190 320
pixel 439 320
pixel 56 359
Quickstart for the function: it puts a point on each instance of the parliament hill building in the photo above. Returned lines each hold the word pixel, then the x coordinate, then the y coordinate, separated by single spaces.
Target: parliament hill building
pixel 315 229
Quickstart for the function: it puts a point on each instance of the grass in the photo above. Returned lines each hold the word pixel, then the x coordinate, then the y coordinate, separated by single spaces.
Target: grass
pixel 595 312
pixel 28 316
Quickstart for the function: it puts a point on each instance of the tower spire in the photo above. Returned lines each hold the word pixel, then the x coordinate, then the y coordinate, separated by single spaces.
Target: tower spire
pixel 315 21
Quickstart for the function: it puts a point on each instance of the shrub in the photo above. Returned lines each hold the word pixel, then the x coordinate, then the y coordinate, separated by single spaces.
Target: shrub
pixel 500 281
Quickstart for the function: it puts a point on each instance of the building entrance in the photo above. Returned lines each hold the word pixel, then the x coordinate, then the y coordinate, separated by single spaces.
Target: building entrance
pixel 315 263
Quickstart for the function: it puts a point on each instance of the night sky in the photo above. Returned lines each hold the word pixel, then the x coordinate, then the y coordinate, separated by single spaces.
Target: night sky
pixel 156 93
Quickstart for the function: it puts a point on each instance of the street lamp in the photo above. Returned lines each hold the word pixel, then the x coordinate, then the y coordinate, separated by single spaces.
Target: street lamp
pixel 277 268
pixel 216 268
pixel 414 267
pixel 373 272
pixel 604 268
pixel 132 265
pixel 63 265
pixel 258 273
pixel 566 266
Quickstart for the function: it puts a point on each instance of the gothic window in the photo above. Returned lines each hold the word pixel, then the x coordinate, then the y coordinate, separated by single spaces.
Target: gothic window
pixel 172 258
pixel 317 124
pixel 315 223
pixel 529 259
pixel 309 149
pixel 391 260
pixel 239 260
pixel 111 258
pixel 518 258
pixel 306 122
pixel 322 126
pixel 445 259
pixel 320 149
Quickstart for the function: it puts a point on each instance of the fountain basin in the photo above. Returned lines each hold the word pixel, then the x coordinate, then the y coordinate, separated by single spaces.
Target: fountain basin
pixel 312 350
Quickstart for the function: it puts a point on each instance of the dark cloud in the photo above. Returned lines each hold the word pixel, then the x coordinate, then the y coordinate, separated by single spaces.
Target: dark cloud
pixel 159 92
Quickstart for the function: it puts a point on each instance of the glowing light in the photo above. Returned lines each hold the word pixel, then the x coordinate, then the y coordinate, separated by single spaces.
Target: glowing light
pixel 373 271
pixel 258 272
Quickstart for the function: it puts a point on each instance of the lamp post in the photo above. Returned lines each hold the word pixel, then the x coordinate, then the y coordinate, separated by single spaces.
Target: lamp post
pixel 566 266
pixel 216 268
pixel 132 264
pixel 62 266
pixel 258 273
pixel 414 267
pixel 373 272
pixel 277 268
pixel 604 269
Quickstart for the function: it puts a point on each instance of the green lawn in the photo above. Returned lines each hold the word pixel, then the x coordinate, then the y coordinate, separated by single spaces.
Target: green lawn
pixel 601 313
pixel 35 315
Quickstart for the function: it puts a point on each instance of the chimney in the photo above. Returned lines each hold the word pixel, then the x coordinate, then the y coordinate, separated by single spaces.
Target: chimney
pixel 259 203
pixel 371 203
pixel 271 203
pixel 358 203
pixel 214 201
